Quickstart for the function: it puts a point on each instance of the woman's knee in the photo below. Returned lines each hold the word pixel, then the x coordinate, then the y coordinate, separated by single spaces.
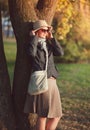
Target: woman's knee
pixel 54 120
pixel 41 123
pixel 52 123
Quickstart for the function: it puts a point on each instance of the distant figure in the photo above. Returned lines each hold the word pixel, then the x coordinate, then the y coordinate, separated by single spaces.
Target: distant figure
pixel 7 28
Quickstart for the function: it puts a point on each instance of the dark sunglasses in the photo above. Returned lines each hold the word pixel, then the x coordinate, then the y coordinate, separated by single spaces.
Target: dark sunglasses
pixel 44 30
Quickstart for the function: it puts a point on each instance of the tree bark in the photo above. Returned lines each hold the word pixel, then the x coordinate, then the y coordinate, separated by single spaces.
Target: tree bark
pixel 23 13
pixel 7 121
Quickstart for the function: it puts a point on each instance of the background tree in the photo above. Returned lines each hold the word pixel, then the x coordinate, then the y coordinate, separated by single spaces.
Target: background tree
pixel 72 21
pixel 23 13
pixel 63 20
pixel 63 17
pixel 81 31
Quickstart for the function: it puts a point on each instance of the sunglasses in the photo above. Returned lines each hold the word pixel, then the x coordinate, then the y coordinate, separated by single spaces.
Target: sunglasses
pixel 44 30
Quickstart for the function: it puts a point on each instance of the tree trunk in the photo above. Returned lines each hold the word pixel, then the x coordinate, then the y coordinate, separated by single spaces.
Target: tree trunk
pixel 23 13
pixel 6 110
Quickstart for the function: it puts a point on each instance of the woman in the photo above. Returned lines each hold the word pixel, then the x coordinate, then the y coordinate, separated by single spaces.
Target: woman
pixel 47 105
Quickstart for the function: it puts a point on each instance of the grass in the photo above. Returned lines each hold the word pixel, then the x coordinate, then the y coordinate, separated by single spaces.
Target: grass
pixel 74 86
pixel 74 77
pixel 10 52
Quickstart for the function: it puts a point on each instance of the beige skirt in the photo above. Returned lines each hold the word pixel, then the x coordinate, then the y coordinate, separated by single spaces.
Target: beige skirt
pixel 47 104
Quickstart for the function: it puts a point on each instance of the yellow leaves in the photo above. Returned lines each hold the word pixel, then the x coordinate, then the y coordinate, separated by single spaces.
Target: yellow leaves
pixel 65 10
pixel 62 4
pixel 83 22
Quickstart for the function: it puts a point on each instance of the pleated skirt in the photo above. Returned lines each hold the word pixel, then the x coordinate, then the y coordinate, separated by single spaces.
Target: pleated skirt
pixel 47 104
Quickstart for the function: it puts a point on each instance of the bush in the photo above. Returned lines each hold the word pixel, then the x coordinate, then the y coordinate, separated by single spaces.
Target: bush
pixel 73 52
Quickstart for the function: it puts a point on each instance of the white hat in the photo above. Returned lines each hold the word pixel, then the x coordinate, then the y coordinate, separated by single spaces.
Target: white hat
pixel 40 24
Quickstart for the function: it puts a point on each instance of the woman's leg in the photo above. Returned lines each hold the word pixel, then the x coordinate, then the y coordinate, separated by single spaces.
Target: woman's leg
pixel 41 123
pixel 52 123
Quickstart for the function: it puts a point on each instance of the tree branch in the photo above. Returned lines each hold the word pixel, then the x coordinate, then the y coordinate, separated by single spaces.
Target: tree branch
pixel 42 4
pixel 46 9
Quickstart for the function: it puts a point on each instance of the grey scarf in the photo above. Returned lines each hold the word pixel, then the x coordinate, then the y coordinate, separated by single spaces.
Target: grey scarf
pixel 43 43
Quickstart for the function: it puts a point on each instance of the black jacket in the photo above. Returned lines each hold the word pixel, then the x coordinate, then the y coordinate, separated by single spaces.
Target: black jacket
pixel 38 55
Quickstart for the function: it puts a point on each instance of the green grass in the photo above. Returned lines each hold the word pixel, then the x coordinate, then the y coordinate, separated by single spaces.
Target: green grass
pixel 74 86
pixel 10 53
pixel 74 77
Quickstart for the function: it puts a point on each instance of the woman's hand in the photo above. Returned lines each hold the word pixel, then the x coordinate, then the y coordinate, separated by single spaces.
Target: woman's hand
pixel 49 35
pixel 32 33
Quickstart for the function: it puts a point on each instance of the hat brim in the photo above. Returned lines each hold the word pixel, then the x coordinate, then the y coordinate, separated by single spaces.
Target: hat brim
pixel 43 27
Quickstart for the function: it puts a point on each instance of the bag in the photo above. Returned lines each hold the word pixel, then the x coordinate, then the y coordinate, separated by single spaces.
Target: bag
pixel 38 83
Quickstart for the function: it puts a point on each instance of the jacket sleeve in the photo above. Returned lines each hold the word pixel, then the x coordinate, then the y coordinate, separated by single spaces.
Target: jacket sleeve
pixel 57 49
pixel 32 46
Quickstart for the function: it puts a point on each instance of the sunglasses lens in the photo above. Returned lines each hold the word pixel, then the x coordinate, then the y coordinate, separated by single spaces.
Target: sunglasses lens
pixel 44 30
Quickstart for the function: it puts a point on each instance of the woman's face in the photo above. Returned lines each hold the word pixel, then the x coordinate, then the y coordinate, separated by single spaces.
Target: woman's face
pixel 42 33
